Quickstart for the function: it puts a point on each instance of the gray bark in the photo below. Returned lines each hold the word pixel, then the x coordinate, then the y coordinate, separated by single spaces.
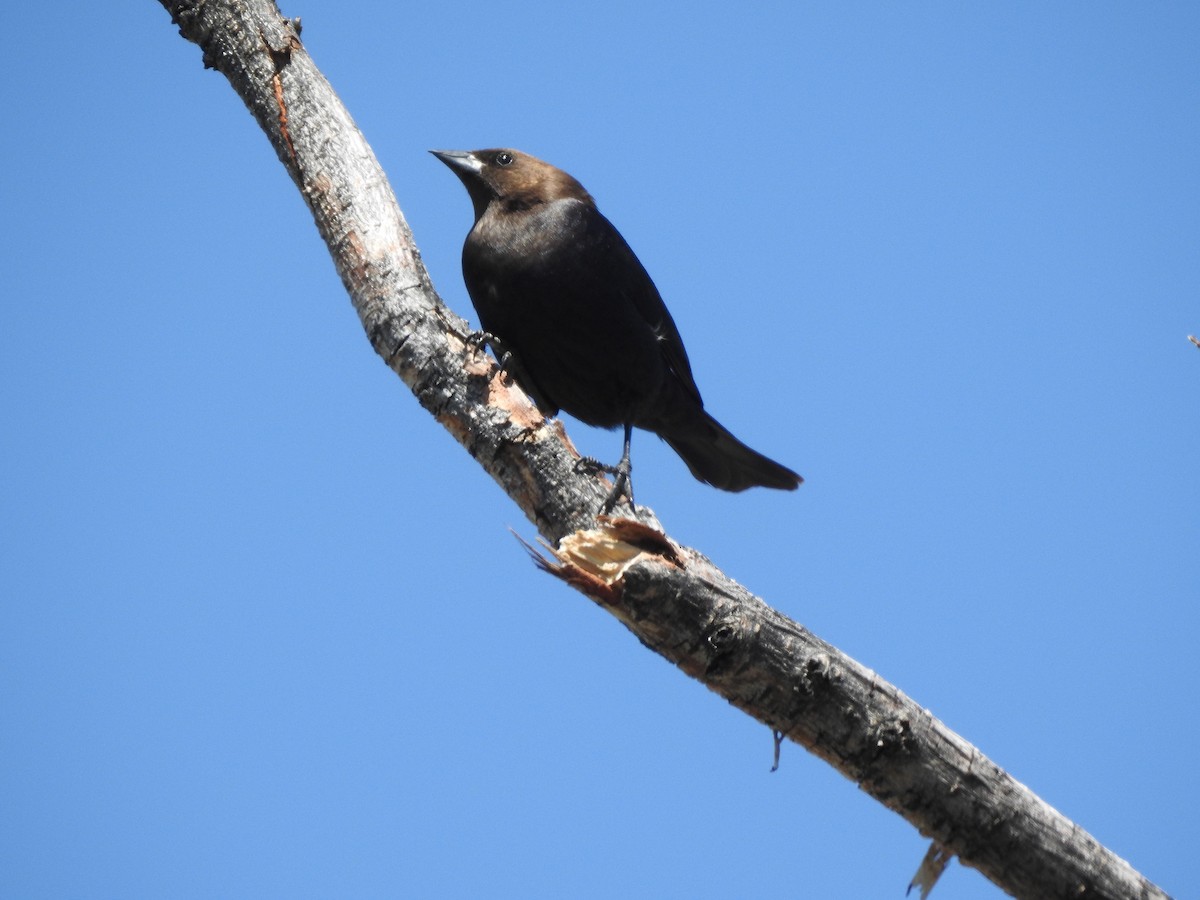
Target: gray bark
pixel 671 597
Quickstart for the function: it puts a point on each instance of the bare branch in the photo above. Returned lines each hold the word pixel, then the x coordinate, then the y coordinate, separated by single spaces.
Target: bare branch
pixel 671 597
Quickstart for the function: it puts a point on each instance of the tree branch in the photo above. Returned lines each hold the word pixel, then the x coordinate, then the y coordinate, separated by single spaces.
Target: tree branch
pixel 671 597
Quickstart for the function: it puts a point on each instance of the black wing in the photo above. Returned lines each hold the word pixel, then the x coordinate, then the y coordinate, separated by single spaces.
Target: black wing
pixel 636 285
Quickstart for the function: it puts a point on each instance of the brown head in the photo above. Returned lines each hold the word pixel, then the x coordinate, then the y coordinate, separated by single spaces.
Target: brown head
pixel 514 179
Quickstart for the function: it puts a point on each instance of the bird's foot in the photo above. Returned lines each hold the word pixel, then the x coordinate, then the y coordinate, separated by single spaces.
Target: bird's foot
pixel 480 339
pixel 623 486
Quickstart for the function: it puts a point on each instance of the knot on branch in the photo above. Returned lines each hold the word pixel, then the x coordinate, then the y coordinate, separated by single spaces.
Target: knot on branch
pixel 891 739
pixel 725 640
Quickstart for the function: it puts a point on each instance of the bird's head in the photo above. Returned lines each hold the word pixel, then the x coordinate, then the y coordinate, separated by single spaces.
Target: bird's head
pixel 511 178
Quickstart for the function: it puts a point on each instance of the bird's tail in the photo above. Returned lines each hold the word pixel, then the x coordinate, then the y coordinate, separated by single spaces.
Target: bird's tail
pixel 716 457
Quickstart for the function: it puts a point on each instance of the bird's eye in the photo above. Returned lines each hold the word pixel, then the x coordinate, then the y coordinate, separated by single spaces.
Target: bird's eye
pixel 504 158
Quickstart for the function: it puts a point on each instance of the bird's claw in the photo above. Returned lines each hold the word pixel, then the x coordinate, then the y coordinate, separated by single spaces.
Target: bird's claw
pixel 480 339
pixel 623 484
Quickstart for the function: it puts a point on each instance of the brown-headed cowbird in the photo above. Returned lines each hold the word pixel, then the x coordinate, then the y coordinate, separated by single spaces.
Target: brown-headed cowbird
pixel 584 327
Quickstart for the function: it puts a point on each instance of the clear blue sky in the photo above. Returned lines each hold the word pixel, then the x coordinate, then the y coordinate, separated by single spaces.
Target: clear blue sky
pixel 264 631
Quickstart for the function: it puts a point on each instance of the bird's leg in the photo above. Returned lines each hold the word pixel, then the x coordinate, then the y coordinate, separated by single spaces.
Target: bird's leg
pixel 624 484
pixel 503 355
pixel 622 470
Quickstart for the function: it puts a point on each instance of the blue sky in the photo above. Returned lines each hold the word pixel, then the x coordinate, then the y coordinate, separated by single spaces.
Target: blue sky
pixel 263 628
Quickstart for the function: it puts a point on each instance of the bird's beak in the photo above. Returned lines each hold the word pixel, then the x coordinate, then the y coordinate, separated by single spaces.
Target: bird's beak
pixel 459 160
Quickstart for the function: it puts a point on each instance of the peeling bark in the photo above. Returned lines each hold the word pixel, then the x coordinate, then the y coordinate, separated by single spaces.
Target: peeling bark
pixel 671 597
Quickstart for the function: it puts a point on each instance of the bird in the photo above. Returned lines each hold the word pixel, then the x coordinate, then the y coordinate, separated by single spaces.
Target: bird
pixel 576 320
